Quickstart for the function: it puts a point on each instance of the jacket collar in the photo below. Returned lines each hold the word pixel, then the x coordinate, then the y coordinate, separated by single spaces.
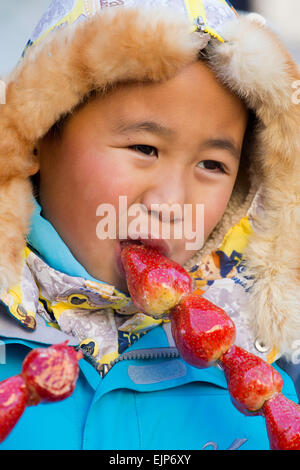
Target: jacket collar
pixel 45 240
pixel 102 318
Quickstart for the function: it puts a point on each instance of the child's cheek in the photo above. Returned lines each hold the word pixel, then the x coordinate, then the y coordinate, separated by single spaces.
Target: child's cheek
pixel 214 210
pixel 108 184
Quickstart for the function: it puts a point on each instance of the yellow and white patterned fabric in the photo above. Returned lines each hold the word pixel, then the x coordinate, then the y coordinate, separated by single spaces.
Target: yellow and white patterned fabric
pixel 105 322
pixel 205 15
pixel 99 316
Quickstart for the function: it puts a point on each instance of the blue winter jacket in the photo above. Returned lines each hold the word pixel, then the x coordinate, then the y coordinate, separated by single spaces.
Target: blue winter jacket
pixel 153 400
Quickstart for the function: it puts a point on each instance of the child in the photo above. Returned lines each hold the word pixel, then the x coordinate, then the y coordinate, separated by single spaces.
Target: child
pixel 183 103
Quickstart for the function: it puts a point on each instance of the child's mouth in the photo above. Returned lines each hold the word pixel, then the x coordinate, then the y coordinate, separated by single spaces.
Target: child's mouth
pixel 160 245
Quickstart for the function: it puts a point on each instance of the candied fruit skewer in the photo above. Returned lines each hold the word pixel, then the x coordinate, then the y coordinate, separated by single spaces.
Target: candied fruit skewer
pixel 251 380
pixel 283 422
pixel 255 388
pixel 204 335
pixel 155 283
pixel 51 373
pixel 202 331
pixel 13 401
pixel 48 375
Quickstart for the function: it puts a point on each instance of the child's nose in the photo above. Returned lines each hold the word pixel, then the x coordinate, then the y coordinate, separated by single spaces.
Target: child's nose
pixel 165 198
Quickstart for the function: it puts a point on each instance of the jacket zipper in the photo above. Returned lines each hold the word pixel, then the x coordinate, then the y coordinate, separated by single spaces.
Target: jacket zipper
pixel 138 354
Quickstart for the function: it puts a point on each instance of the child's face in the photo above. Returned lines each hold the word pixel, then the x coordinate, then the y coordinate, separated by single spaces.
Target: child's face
pixel 176 142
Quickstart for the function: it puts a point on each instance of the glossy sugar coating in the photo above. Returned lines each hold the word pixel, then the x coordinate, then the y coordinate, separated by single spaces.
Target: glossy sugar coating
pixel 51 373
pixel 251 381
pixel 155 283
pixel 202 331
pixel 283 423
pixel 48 375
pixel 204 334
pixel 13 401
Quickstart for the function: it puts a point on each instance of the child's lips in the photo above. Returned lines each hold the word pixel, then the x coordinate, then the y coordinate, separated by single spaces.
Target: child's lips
pixel 161 245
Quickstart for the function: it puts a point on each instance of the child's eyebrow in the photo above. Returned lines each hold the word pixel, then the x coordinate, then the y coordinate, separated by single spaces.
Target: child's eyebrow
pixel 144 126
pixel 156 128
pixel 223 144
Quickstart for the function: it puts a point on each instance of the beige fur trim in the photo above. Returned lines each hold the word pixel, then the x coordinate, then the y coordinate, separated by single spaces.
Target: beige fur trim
pixel 56 75
pixel 257 67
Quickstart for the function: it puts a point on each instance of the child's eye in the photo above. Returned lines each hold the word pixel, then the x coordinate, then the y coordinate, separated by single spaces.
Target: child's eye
pixel 146 149
pixel 212 165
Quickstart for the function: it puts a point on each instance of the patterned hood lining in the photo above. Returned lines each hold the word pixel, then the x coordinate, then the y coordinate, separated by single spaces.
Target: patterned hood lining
pixel 104 322
pixel 38 84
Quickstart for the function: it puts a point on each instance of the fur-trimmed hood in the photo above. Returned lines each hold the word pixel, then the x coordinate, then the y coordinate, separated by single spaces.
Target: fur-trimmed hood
pixel 84 45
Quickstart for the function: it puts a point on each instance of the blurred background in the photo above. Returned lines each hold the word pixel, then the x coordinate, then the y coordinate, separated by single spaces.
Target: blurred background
pixel 19 17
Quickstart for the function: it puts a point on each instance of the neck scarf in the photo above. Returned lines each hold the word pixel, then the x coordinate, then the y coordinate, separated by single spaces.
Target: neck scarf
pixel 104 320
